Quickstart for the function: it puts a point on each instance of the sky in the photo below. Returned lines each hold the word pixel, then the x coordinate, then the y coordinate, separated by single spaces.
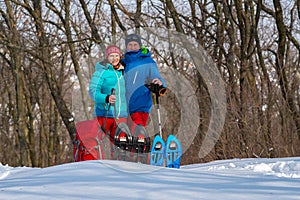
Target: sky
pixel 241 179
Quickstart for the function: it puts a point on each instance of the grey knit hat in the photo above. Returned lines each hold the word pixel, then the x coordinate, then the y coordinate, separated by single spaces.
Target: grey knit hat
pixel 133 37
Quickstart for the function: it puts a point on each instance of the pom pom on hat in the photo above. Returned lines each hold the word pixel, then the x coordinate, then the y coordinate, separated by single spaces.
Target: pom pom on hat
pixel 133 37
pixel 112 49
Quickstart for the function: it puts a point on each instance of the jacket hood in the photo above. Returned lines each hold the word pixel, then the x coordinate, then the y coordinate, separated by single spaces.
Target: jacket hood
pixel 103 65
pixel 134 55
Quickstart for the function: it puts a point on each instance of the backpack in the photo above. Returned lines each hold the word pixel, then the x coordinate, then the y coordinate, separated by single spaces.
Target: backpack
pixel 88 141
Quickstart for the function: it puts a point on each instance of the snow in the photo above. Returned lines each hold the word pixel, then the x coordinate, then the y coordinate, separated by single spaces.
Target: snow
pixel 240 179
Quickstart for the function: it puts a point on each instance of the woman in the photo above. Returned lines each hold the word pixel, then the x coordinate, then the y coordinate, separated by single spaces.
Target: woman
pixel 107 89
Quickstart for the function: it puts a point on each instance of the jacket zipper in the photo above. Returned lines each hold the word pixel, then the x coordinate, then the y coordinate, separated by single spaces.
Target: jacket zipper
pixel 136 73
pixel 119 93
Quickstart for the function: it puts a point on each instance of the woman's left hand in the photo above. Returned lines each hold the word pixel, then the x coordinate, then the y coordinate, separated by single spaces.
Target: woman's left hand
pixel 112 99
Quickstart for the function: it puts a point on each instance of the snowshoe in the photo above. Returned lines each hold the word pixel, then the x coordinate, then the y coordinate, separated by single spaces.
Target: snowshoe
pixel 141 145
pixel 157 152
pixel 122 143
pixel 173 152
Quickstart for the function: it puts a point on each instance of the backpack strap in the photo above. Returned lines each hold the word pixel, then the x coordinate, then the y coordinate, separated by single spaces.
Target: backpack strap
pixel 98 146
pixel 77 144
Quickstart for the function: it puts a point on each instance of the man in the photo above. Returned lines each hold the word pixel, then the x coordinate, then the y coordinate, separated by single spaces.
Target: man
pixel 140 69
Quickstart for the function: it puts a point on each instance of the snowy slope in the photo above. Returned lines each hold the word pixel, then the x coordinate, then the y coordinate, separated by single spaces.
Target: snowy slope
pixel 227 179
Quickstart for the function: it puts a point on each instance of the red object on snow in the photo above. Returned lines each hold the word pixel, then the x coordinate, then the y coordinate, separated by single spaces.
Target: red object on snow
pixel 87 145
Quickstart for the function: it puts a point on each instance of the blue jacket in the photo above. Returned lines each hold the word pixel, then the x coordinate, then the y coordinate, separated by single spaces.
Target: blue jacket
pixel 103 80
pixel 140 68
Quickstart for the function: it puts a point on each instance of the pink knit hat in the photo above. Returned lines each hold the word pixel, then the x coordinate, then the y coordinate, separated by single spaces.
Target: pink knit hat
pixel 112 49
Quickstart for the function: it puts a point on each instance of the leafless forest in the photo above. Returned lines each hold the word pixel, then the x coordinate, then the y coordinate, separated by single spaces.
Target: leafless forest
pixel 48 49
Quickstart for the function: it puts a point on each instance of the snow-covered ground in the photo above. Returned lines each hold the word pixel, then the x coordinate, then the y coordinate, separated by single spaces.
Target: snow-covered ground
pixel 255 179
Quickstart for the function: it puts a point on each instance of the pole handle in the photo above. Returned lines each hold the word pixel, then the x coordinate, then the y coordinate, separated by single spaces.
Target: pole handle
pixel 112 93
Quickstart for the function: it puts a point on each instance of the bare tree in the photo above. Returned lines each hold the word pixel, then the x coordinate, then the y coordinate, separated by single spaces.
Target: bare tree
pixel 49 47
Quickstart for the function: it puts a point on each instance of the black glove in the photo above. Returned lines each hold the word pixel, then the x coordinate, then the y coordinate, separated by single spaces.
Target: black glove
pixel 157 89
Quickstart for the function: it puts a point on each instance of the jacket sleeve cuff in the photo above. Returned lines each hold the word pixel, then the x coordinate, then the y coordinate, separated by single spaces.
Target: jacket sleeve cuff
pixel 100 98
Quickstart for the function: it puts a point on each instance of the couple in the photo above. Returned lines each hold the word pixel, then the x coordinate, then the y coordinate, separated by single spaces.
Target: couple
pixel 127 95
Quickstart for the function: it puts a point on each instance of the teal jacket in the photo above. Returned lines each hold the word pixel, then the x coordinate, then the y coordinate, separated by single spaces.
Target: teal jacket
pixel 104 79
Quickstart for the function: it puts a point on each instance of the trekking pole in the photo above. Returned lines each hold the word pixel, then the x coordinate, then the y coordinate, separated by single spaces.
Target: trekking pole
pixel 114 105
pixel 158 90
pixel 159 121
pixel 112 93
pixel 158 114
pixel 104 124
pixel 103 128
